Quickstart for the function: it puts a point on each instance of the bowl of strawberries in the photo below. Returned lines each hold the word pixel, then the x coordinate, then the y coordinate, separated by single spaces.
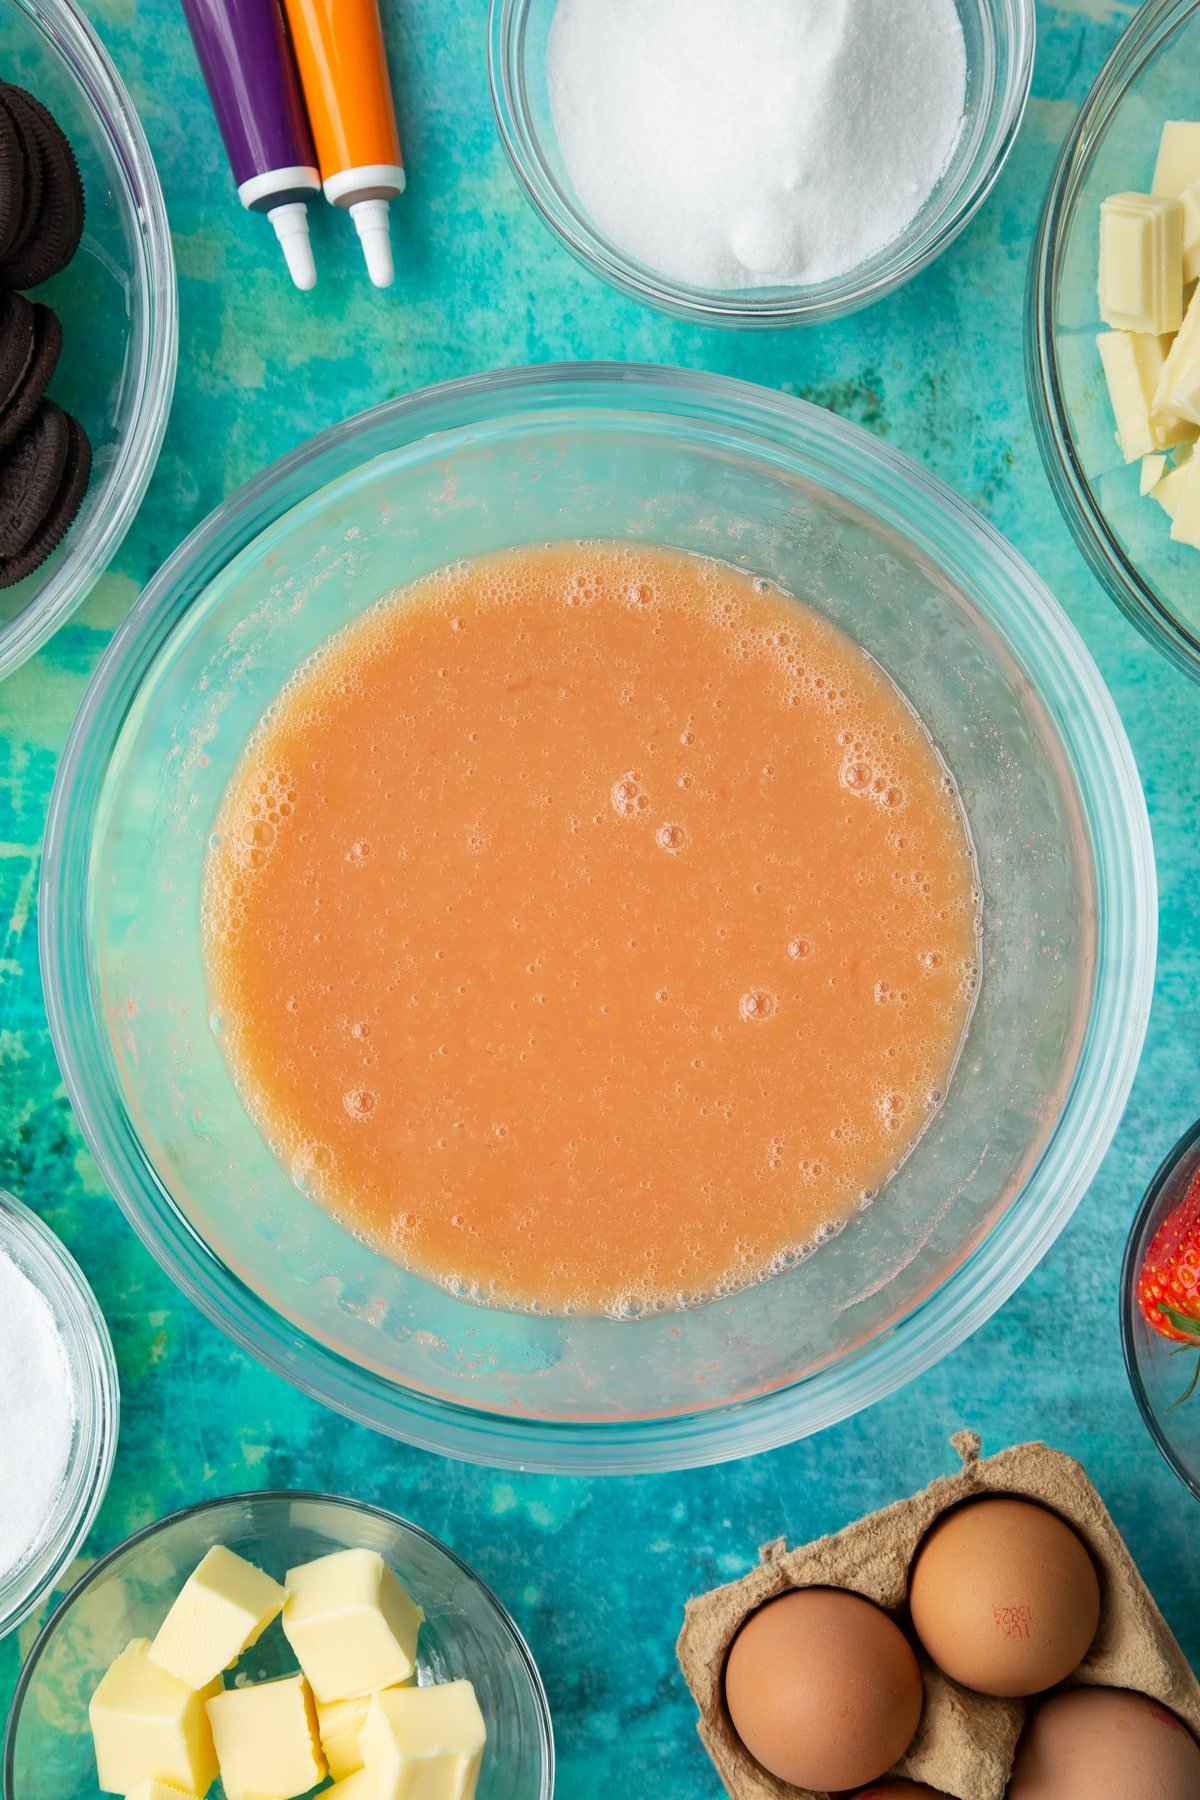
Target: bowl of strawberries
pixel 1160 1308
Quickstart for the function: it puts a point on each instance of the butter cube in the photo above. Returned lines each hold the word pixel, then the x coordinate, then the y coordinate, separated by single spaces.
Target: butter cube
pixel 1141 263
pixel 1178 389
pixel 1185 526
pixel 1133 365
pixel 223 1608
pixel 339 1723
pixel 1153 470
pixel 149 1727
pixel 358 1786
pixel 425 1743
pixel 266 1739
pixel 351 1624
pixel 157 1790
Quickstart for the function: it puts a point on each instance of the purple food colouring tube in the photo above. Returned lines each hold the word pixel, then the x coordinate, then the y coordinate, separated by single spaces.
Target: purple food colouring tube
pixel 247 65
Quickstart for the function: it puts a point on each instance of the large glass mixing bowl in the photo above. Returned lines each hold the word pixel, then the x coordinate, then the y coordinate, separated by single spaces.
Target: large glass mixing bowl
pixel 709 465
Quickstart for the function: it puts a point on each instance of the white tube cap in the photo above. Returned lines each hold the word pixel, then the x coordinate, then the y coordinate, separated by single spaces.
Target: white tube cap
pixel 371 219
pixel 291 228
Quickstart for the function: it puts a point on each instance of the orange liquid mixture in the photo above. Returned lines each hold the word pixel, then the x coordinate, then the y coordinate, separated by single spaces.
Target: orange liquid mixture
pixel 591 927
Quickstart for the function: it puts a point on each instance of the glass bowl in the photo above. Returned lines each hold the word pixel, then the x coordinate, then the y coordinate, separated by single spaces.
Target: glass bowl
pixel 1159 1369
pixel 40 1256
pixel 1000 37
pixel 116 300
pixel 467 1634
pixel 1150 77
pixel 709 465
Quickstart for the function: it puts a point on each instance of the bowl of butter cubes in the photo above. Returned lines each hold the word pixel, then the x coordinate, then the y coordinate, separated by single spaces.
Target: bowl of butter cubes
pixel 1113 332
pixel 280 1644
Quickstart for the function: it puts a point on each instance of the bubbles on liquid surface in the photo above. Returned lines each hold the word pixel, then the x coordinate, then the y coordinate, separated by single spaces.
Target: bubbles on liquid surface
pixel 628 796
pixel 670 837
pixel 758 1004
pixel 798 949
pixel 359 1103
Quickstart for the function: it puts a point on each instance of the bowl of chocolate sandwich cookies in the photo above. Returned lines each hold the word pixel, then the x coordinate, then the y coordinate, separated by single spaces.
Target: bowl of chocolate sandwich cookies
pixel 87 317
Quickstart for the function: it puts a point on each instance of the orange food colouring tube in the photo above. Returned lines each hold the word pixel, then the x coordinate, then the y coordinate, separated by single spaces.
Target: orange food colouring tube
pixel 343 69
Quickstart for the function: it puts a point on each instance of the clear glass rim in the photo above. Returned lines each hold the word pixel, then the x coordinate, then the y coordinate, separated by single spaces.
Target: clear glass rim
pixel 1187 1149
pixel 78 1316
pixel 1137 598
pixel 711 306
pixel 126 481
pixel 252 1498
pixel 1029 621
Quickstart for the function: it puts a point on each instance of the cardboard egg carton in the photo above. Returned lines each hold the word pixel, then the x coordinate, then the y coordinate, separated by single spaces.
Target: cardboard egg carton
pixel 965 1742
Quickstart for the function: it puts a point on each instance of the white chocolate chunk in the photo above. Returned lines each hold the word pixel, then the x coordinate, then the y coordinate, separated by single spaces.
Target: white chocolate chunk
pixel 1169 491
pixel 1190 201
pixel 1133 365
pixel 1153 470
pixel 351 1624
pixel 156 1790
pixel 266 1740
pixel 1178 389
pixel 1178 164
pixel 1141 263
pixel 223 1608
pixel 1185 525
pixel 425 1743
pixel 149 1727
pixel 358 1786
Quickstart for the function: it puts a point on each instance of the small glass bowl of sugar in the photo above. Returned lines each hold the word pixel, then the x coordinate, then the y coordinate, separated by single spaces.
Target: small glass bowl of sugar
pixel 755 162
pixel 59 1410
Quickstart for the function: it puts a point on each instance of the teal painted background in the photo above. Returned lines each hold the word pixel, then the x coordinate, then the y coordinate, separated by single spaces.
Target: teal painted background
pixel 596 1572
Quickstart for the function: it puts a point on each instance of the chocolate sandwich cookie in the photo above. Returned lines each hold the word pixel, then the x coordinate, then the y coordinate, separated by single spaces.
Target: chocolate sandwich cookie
pixel 54 235
pixel 12 181
pixel 30 471
pixel 16 345
pixel 32 191
pixel 68 498
pixel 40 364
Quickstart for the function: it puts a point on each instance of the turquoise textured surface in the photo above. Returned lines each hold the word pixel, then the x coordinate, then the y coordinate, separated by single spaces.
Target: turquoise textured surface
pixel 595 1572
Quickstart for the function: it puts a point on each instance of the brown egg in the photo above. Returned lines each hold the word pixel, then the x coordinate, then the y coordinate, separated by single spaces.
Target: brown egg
pixel 901 1790
pixel 1004 1597
pixel 823 1689
pixel 1106 1744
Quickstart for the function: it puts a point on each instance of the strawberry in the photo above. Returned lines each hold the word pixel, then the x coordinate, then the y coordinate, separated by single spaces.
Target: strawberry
pixel 1168 1283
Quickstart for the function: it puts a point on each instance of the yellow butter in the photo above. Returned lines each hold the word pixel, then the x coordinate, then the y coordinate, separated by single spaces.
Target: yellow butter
pixel 158 1790
pixel 351 1624
pixel 1141 263
pixel 424 1743
pixel 223 1608
pixel 147 1726
pixel 1153 470
pixel 358 1786
pixel 339 1723
pixel 1178 164
pixel 266 1739
pixel 1185 523
pixel 1133 365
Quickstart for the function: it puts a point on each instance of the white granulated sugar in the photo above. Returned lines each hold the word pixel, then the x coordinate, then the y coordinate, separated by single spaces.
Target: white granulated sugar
pixel 37 1416
pixel 743 143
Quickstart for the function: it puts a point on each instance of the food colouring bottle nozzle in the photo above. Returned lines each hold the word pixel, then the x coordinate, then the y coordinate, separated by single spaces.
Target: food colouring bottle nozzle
pixel 246 61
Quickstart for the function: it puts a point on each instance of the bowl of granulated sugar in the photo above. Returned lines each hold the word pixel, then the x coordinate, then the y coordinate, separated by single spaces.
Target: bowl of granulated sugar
pixel 58 1410
pixel 759 162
